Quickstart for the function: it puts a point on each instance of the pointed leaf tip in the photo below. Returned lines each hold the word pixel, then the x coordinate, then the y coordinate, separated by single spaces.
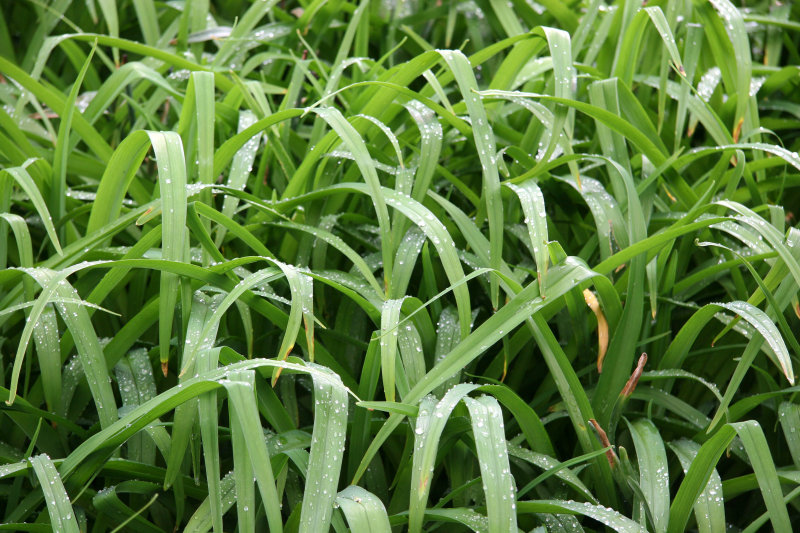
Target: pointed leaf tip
pixel 630 386
pixel 612 457
pixel 602 327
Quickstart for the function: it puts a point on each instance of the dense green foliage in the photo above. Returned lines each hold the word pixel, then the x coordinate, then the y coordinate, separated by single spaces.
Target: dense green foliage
pixel 300 265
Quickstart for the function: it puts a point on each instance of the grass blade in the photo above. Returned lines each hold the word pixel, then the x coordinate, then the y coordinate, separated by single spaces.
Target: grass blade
pixel 532 201
pixel 25 181
pixel 241 397
pixel 390 315
pixel 487 427
pixel 301 287
pixel 789 416
pixel 429 427
pixel 485 143
pixel 609 517
pixel 168 150
pixel 327 452
pixel 356 146
pixel 58 189
pixel 364 511
pixel 709 510
pixel 62 517
pixel 653 470
pixel 77 319
pixel 755 444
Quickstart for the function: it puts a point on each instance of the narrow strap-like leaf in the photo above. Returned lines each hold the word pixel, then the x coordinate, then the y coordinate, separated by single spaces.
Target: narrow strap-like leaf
pixel 62 517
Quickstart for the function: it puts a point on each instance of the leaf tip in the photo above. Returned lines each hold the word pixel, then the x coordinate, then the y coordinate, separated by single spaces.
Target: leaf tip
pixel 630 386
pixel 610 455
pixel 602 327
pixel 737 131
